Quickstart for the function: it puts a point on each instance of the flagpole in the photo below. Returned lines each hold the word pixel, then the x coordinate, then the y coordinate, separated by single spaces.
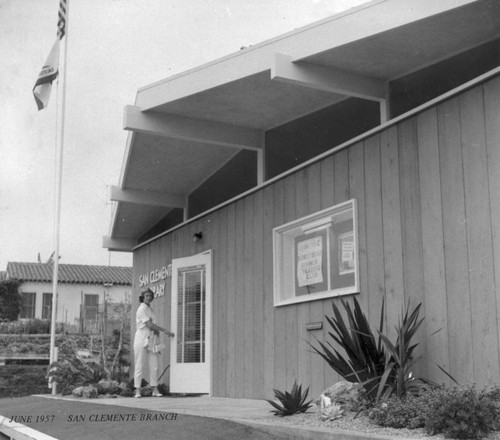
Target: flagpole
pixel 60 121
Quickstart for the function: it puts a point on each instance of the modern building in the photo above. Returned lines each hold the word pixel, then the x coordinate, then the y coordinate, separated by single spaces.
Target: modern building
pixel 82 292
pixel 356 156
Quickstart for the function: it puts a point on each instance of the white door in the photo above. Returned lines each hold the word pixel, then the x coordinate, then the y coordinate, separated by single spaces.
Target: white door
pixel 190 349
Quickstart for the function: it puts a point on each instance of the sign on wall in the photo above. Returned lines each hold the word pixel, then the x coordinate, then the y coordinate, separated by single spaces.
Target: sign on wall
pixel 155 280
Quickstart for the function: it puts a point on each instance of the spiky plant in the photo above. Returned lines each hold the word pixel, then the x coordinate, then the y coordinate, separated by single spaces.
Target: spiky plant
pixel 291 402
pixel 382 367
pixel 365 358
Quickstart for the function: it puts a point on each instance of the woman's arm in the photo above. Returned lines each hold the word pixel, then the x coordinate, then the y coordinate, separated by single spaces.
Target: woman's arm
pixel 157 328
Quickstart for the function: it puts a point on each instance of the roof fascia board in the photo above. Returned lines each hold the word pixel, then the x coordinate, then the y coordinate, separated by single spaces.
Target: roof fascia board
pixel 147 197
pixel 121 180
pixel 190 129
pixel 126 157
pixel 118 244
pixel 327 79
pixel 114 216
pixel 338 30
pixel 376 18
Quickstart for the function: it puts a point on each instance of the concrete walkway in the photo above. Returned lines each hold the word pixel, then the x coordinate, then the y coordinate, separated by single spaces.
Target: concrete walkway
pixel 253 413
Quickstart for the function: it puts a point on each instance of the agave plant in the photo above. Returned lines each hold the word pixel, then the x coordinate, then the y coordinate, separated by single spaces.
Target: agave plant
pixel 365 359
pixel 291 402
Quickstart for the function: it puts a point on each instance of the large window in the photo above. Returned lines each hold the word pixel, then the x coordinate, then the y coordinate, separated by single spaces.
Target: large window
pixel 316 257
pixel 28 301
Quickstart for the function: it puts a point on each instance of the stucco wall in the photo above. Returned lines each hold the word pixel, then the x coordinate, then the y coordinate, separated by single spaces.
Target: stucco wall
pixel 70 297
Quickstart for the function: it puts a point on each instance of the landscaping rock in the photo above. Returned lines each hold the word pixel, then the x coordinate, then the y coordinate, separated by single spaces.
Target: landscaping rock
pixel 108 387
pixel 90 392
pixel 77 392
pixel 343 393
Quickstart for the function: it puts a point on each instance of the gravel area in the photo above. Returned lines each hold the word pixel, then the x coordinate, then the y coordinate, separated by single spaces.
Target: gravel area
pixel 359 424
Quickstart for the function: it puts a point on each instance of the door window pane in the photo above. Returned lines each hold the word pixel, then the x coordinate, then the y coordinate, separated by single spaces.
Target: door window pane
pixel 191 316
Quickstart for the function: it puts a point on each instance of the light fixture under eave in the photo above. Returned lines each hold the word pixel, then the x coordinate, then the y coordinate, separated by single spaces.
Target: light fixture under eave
pixel 197 236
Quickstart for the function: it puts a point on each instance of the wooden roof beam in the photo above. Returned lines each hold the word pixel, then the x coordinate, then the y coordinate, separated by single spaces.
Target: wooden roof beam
pixel 118 244
pixel 147 197
pixel 327 79
pixel 191 129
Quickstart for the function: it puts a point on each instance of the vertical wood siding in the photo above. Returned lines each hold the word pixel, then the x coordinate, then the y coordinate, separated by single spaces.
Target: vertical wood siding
pixel 428 194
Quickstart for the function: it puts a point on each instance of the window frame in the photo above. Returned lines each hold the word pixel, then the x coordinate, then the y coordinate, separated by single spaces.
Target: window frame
pixel 47 308
pixel 286 247
pixel 31 306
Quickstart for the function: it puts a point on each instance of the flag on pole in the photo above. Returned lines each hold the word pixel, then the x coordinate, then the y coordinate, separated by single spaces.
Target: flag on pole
pixel 50 69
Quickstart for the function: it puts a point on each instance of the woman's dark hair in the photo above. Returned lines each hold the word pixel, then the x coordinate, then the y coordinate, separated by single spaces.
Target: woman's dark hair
pixel 141 298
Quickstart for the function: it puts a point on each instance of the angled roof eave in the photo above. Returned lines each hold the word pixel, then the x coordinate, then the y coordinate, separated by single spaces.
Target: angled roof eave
pixel 341 29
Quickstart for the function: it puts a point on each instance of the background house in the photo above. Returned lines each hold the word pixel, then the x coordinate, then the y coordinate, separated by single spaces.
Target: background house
pixel 83 292
pixel 359 155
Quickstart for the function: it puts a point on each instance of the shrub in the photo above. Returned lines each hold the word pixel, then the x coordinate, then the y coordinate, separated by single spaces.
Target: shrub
pixel 410 411
pixel 127 393
pixel 33 326
pixel 164 389
pixel 463 413
pixel 23 380
pixel 71 371
pixel 291 402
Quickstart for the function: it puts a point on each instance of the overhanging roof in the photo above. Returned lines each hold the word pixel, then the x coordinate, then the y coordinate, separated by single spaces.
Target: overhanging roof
pixel 184 128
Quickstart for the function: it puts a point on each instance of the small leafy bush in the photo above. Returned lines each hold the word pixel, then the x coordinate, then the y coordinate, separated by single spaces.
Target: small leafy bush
pixel 71 371
pixel 410 411
pixel 23 380
pixel 26 326
pixel 291 402
pixel 463 413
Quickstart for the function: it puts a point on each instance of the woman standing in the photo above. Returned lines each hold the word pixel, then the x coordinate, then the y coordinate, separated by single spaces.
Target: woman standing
pixel 146 331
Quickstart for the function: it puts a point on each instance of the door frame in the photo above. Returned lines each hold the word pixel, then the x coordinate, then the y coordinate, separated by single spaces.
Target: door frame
pixel 204 258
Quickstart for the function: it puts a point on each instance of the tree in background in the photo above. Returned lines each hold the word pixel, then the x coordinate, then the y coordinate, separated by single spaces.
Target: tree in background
pixel 115 320
pixel 10 300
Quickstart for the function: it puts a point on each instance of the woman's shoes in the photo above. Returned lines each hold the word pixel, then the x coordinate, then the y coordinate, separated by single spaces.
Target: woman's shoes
pixel 137 394
pixel 157 394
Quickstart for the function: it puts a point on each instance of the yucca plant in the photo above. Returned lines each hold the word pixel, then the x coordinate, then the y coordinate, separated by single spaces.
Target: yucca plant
pixel 291 402
pixel 365 360
pixel 383 368
pixel 401 360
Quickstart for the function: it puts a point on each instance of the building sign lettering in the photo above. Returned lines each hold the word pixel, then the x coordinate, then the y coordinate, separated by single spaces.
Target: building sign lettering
pixel 155 277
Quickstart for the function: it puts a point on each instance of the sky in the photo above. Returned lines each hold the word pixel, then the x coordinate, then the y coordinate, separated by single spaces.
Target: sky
pixel 114 47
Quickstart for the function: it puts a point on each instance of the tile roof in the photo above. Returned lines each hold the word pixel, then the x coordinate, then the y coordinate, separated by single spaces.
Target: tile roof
pixel 70 273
